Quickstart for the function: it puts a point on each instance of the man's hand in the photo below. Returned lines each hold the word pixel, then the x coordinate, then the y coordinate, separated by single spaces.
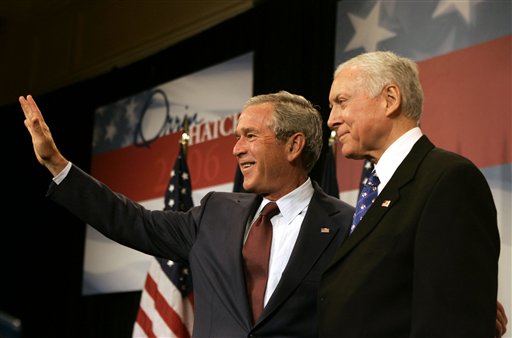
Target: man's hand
pixel 501 320
pixel 44 146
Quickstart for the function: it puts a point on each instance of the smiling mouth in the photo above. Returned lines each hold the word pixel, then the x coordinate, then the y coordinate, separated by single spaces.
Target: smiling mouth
pixel 342 135
pixel 246 165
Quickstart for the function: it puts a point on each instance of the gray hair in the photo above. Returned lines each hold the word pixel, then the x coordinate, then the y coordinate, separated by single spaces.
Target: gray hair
pixel 294 113
pixel 381 68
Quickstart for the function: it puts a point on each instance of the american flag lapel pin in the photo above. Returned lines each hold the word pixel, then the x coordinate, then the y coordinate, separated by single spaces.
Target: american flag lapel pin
pixel 325 230
pixel 386 203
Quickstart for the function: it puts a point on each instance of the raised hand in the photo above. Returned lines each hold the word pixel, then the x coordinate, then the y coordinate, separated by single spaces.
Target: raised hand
pixel 45 148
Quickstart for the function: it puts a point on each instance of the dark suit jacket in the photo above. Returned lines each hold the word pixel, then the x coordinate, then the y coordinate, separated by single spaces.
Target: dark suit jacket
pixel 209 237
pixel 423 261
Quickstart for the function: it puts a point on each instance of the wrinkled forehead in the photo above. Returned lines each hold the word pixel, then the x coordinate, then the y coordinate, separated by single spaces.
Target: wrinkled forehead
pixel 348 81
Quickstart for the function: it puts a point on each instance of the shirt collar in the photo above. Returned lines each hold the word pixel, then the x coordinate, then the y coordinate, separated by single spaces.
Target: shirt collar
pixel 395 154
pixel 294 202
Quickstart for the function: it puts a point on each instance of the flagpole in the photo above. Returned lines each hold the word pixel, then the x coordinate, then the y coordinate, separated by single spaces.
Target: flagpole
pixel 332 142
pixel 185 136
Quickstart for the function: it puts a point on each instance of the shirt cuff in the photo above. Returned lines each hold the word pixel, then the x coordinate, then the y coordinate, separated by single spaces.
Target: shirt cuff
pixel 62 175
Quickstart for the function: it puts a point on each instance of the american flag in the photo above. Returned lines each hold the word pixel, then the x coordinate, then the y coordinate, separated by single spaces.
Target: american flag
pixel 167 302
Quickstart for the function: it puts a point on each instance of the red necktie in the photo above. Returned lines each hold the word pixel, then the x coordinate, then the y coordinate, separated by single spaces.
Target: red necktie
pixel 256 253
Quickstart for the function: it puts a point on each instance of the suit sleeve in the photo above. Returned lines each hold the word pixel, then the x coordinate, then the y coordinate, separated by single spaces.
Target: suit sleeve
pixel 166 234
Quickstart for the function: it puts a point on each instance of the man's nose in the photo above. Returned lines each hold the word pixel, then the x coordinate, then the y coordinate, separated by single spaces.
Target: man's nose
pixel 238 147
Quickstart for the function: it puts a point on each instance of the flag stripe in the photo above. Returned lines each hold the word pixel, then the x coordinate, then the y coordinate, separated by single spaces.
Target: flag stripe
pixel 472 98
pixel 145 327
pixel 173 315
pixel 166 312
pixel 154 325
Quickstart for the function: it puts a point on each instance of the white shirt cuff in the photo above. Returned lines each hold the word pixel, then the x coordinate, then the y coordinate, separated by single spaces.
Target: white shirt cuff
pixel 62 175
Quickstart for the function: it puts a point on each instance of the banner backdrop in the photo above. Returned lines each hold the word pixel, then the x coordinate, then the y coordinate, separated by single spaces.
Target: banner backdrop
pixel 136 142
pixel 464 53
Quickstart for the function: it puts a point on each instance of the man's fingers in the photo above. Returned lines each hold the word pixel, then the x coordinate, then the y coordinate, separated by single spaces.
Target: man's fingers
pixel 499 329
pixel 25 107
pixel 33 118
pixel 30 108
pixel 33 105
pixel 501 320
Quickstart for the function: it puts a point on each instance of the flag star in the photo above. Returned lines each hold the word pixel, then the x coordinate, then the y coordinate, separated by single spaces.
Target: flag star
pixel 172 173
pixel 368 32
pixel 448 42
pixel 131 115
pixel 171 203
pixel 110 131
pixel 463 7
pixel 184 176
pixel 171 187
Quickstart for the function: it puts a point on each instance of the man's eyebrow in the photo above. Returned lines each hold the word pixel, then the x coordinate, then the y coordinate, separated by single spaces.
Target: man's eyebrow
pixel 247 129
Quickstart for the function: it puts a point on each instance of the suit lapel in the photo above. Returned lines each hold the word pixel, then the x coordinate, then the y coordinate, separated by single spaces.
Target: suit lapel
pixel 317 231
pixel 243 210
pixel 388 198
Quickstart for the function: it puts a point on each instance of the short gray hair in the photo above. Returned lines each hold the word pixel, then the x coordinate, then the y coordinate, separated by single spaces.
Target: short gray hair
pixel 293 113
pixel 381 68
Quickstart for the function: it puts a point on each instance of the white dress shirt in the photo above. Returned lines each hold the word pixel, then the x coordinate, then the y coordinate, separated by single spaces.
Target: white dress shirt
pixel 395 154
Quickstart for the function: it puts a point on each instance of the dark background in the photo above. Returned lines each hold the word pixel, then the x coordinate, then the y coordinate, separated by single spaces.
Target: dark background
pixel 41 245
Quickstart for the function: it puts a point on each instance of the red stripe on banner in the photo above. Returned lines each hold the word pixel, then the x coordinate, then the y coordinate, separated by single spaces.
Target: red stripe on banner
pixel 468 106
pixel 145 323
pixel 348 172
pixel 166 312
pixel 142 173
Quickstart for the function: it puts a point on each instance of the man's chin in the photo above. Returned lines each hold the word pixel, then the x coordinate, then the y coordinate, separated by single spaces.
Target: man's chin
pixel 248 187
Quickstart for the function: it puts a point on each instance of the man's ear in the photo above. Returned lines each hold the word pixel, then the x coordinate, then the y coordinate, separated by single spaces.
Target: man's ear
pixel 294 145
pixel 393 98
